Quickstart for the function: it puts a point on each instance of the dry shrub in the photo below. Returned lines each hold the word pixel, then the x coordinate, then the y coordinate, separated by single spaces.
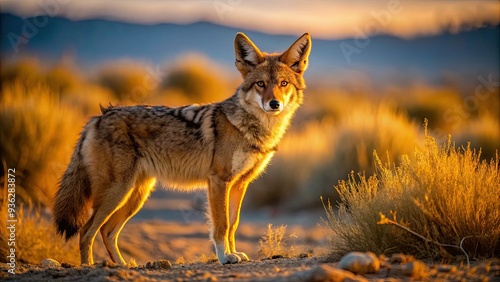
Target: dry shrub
pixel 275 243
pixel 37 136
pixel 444 193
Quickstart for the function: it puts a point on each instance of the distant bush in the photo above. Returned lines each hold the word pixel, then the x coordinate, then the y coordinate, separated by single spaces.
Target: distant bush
pixel 61 78
pixel 444 193
pixel 196 80
pixel 37 136
pixel 129 82
pixel 310 160
pixel 482 132
pixel 432 103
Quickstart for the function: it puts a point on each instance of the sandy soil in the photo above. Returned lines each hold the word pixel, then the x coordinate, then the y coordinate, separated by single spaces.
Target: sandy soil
pixel 172 230
pixel 282 269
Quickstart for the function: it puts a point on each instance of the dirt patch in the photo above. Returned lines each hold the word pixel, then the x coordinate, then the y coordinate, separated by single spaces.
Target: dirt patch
pixel 282 269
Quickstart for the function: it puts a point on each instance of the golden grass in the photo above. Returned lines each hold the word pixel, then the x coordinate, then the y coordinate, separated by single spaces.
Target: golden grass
pixel 129 81
pixel 275 243
pixel 37 137
pixel 311 159
pixel 334 132
pixel 36 238
pixel 194 79
pixel 444 193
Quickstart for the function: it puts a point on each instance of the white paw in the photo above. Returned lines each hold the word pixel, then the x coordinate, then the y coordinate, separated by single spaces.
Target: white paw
pixel 229 258
pixel 242 256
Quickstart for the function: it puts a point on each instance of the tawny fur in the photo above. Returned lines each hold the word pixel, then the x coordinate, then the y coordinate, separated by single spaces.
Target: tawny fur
pixel 222 146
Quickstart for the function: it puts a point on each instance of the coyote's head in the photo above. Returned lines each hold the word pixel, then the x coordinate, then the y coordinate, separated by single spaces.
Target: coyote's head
pixel 272 82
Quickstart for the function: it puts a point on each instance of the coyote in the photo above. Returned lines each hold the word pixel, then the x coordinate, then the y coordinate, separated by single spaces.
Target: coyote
pixel 223 146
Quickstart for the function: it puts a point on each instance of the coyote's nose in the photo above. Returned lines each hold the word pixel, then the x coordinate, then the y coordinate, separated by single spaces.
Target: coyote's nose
pixel 274 104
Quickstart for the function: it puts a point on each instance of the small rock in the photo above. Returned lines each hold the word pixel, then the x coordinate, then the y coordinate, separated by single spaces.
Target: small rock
pixel 446 268
pixel 68 265
pixel 51 263
pixel 305 255
pixel 164 264
pixel 415 269
pixel 360 263
pixel 326 273
pixel 159 264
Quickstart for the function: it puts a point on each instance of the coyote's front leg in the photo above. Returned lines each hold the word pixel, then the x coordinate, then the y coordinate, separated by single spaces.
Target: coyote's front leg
pixel 236 195
pixel 218 192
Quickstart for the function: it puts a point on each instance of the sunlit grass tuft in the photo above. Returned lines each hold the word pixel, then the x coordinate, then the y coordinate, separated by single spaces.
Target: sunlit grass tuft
pixel 275 243
pixel 36 238
pixel 444 193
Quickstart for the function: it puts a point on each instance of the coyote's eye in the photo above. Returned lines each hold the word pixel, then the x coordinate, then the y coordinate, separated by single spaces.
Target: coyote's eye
pixel 260 83
pixel 284 83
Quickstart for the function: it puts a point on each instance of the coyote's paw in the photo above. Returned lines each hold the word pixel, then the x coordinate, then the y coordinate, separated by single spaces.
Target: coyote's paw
pixel 230 259
pixel 242 256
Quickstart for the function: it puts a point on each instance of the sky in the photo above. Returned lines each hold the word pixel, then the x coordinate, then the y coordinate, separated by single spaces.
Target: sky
pixel 324 19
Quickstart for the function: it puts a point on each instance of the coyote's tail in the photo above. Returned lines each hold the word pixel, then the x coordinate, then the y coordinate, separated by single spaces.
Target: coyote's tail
pixel 72 200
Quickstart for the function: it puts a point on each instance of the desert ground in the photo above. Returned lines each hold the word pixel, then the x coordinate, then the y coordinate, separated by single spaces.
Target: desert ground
pixel 168 240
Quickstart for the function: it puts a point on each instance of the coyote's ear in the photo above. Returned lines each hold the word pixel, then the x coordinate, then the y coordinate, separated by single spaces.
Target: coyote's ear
pixel 296 57
pixel 248 56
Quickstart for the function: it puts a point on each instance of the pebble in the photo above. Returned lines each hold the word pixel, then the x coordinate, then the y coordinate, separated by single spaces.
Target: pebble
pixel 326 273
pixel 48 262
pixel 160 264
pixel 447 268
pixel 360 263
pixel 415 269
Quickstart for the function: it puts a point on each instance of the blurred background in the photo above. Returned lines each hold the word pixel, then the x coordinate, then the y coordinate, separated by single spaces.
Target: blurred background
pixel 377 69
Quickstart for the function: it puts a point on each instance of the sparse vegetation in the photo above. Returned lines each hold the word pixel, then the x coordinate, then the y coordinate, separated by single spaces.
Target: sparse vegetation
pixel 275 243
pixel 333 133
pixel 311 159
pixel 36 239
pixel 442 192
pixel 37 137
pixel 42 110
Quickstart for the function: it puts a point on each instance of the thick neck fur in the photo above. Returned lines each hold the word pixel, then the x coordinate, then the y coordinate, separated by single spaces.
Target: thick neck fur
pixel 261 129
